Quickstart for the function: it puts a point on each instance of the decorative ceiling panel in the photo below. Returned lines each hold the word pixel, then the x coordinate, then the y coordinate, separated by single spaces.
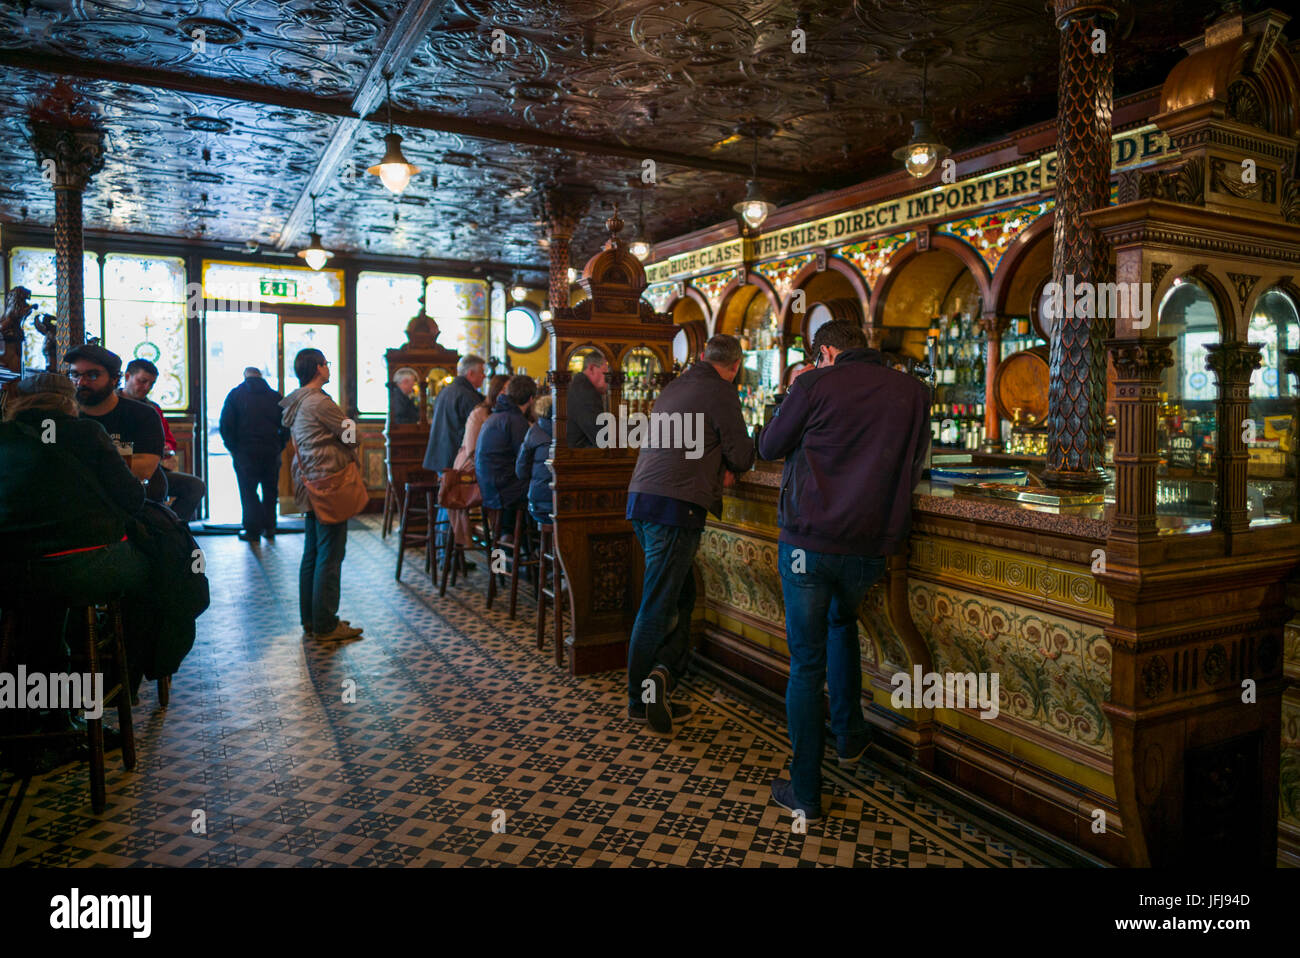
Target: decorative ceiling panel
pixel 636 74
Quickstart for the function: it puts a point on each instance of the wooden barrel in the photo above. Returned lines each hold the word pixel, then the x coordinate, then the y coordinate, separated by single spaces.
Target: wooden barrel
pixel 1021 382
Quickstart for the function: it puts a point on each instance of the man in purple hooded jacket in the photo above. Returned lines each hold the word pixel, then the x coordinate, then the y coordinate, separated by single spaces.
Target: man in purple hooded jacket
pixel 854 434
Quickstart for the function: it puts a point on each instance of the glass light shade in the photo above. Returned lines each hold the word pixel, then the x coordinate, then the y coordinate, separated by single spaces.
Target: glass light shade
pixel 547 315
pixel 754 209
pixel 315 254
pixel 518 293
pixel 640 248
pixel 924 152
pixel 393 170
pixel 573 275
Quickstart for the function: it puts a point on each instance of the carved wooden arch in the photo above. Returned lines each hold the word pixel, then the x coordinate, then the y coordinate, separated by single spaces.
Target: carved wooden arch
pixel 833 263
pixel 905 254
pixel 1011 261
pixel 587 347
pixel 690 292
pixel 746 278
pixel 1224 302
pixel 1281 280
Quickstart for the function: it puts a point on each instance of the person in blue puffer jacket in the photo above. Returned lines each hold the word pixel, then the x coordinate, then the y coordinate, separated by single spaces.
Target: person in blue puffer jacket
pixel 498 447
pixel 531 464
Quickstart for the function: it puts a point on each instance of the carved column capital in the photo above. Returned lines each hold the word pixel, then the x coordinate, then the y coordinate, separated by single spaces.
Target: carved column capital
pixel 77 153
pixel 1233 363
pixel 563 207
pixel 994 325
pixel 1067 10
pixel 1141 359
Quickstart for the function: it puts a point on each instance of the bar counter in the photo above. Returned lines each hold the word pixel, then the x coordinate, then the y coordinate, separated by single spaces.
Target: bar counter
pixel 986 586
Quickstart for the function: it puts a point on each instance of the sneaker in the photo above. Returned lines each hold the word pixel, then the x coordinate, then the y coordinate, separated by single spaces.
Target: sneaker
pixel 657 713
pixel 852 750
pixel 342 631
pixel 680 712
pixel 783 795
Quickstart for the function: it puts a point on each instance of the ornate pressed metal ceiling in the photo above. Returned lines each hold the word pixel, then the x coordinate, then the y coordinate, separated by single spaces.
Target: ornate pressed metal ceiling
pixel 223 134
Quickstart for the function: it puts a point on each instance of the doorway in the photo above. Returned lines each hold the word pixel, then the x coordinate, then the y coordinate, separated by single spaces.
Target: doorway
pixel 269 341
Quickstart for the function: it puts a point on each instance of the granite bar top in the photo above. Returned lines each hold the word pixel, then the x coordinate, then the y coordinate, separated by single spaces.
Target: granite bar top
pixel 1087 522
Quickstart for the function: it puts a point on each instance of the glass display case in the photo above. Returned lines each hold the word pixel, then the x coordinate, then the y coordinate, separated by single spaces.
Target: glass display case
pixel 1186 426
pixel 1270 432
pixel 760 369
pixel 641 378
pixel 957 350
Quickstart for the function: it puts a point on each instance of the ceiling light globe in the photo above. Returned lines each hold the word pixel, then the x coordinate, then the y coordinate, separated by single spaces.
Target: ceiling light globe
pixel 921 160
pixel 573 275
pixel 395 176
pixel 519 293
pixel 316 258
pixel 639 248
pixel 754 209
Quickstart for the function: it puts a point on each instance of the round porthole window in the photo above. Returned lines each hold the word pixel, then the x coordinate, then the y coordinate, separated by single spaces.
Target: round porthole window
pixel 523 328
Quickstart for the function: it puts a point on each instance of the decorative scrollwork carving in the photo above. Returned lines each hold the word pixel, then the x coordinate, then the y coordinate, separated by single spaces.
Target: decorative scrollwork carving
pixel 1155 676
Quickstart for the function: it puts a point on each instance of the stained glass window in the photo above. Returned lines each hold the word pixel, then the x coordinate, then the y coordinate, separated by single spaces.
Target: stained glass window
pixel 459 307
pixel 34 268
pixel 236 285
pixel 144 311
pixel 386 302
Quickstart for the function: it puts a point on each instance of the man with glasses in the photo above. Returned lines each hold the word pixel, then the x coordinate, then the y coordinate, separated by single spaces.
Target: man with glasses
pixel 95 371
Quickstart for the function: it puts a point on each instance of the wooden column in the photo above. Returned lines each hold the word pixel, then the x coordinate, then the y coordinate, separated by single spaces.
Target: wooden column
pixel 1232 365
pixel 563 208
pixel 1139 367
pixel 1291 367
pixel 994 326
pixel 1076 430
pixel 68 154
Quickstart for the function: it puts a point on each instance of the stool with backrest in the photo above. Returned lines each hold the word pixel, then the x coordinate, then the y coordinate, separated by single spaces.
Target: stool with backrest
pixel 109 656
pixel 549 563
pixel 513 547
pixel 419 522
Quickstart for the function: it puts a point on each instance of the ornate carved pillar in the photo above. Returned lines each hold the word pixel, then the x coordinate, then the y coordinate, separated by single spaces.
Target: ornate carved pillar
pixel 562 209
pixel 994 326
pixel 1139 367
pixel 1076 421
pixel 1291 367
pixel 69 151
pixel 1232 365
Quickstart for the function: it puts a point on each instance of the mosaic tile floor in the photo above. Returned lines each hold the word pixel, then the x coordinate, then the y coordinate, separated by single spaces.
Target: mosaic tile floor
pixel 458 725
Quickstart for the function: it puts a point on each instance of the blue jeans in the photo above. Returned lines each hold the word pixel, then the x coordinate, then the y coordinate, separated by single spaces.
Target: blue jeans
pixel 662 633
pixel 320 574
pixel 822 593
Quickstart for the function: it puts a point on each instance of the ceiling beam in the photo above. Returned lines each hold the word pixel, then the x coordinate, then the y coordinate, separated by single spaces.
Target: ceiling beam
pixel 400 39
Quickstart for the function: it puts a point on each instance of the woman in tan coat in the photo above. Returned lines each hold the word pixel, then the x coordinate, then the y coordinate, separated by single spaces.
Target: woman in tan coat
pixel 326 443
pixel 465 456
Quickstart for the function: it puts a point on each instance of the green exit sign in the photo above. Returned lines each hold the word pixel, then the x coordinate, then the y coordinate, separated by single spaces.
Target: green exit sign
pixel 279 287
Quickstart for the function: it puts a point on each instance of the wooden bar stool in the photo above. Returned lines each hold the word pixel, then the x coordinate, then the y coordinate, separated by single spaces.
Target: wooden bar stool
pixel 524 523
pixel 513 547
pixel 392 501
pixel 111 659
pixel 420 502
pixel 453 565
pixel 547 553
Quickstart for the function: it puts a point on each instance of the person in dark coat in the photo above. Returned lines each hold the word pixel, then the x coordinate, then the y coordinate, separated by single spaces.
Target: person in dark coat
pixel 451 409
pixel 250 428
pixel 402 410
pixel 586 401
pixel 854 436
pixel 187 490
pixel 498 449
pixel 531 463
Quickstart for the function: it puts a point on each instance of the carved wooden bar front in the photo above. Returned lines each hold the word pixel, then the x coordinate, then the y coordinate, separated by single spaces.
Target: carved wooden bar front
pixel 598 550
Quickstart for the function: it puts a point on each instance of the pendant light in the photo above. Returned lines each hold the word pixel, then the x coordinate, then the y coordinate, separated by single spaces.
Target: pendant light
pixel 573 275
pixel 394 171
pixel 315 254
pixel 518 292
pixel 640 246
pixel 754 208
pixel 924 152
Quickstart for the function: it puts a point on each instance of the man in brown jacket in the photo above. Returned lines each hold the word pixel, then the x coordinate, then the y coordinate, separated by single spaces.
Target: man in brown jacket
pixel 326 442
pixel 700 442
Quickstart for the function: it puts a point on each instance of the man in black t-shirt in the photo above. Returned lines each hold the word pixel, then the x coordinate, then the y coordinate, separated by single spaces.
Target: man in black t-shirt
pixel 96 371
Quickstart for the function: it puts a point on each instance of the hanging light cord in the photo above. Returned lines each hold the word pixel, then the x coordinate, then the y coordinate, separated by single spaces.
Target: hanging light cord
pixel 388 98
pixel 313 213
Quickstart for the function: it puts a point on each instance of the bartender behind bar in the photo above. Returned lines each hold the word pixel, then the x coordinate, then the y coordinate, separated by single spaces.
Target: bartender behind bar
pixel 854 434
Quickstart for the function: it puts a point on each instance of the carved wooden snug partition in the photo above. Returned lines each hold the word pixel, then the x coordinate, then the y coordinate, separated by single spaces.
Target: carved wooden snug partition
pixel 405 443
pixel 597 548
pixel 1197 682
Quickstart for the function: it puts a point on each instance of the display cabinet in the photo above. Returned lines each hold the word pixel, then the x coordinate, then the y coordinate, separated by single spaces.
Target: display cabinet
pixel 642 376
